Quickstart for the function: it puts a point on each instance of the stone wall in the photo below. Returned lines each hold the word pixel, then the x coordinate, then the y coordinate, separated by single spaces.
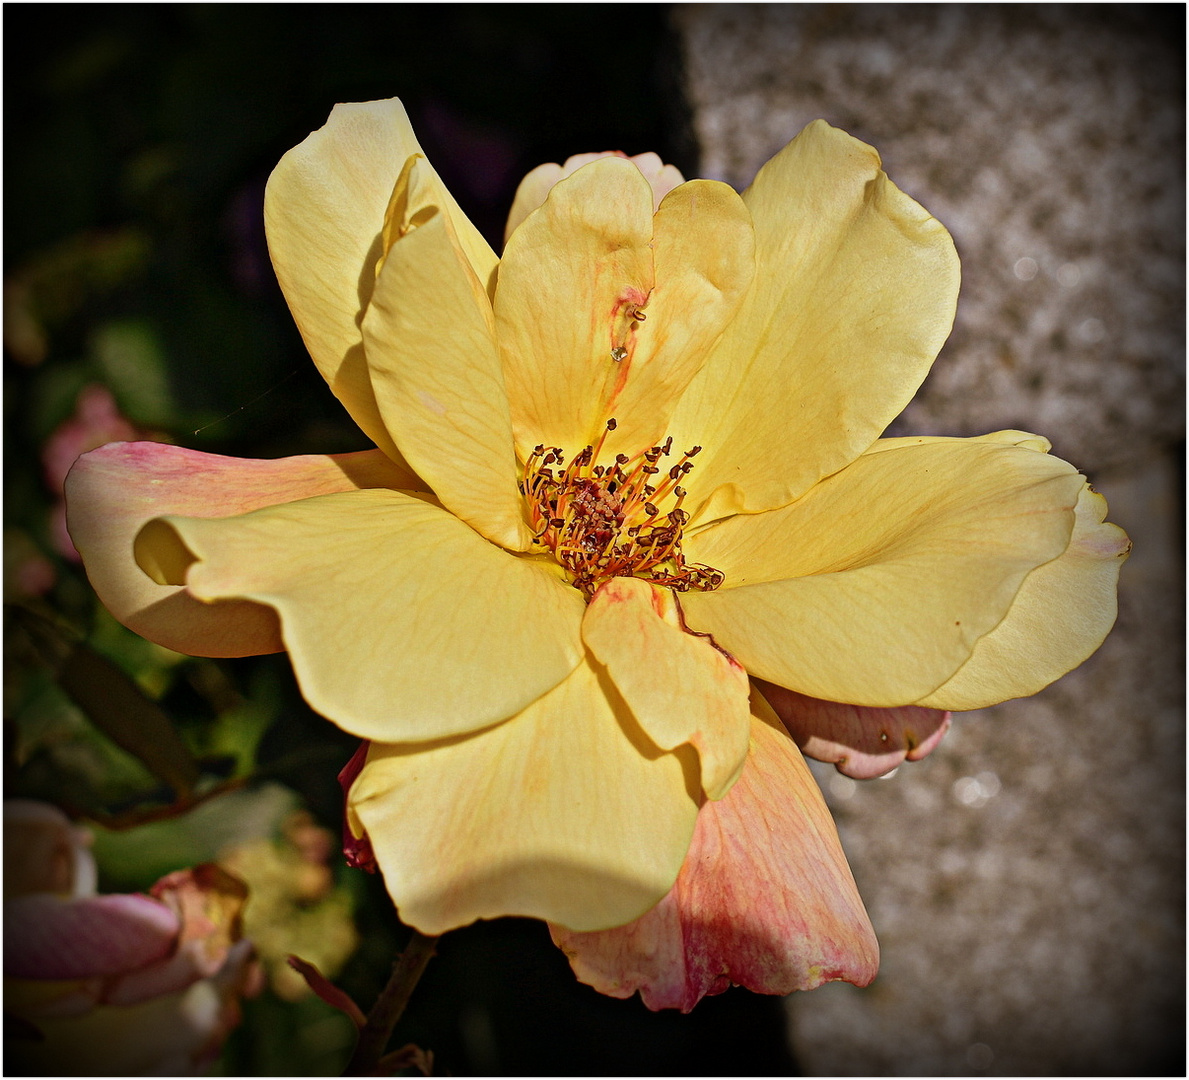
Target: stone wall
pixel 1027 880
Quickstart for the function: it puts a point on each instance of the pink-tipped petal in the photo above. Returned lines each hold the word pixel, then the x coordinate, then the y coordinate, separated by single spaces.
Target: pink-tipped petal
pixel 862 742
pixel 47 937
pixel 111 493
pixel 764 898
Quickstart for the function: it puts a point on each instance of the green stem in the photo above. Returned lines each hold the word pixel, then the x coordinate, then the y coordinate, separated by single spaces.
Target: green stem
pixel 389 1006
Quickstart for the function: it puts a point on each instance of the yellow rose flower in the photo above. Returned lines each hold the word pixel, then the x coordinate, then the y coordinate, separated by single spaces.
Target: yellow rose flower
pixel 621 469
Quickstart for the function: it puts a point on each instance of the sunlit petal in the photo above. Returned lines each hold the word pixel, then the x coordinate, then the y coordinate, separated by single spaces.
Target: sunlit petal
pixel 537 184
pixel 854 294
pixel 565 812
pixel 405 625
pixel 875 586
pixel 703 259
pixel 430 342
pixel 324 209
pixel 572 275
pixel 1061 614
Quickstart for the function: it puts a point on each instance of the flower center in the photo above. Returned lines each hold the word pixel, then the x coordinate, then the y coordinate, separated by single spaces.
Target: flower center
pixel 614 520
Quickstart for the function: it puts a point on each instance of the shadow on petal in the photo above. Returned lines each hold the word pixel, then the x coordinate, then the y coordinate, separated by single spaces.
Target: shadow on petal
pixel 764 899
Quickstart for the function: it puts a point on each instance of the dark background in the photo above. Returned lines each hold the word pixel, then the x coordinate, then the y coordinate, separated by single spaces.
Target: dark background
pixel 138 140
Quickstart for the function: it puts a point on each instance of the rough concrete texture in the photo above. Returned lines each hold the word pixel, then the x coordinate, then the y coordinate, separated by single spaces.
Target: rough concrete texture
pixel 1027 880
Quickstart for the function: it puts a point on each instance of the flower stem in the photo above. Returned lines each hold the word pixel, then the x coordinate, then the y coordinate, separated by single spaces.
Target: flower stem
pixel 389 1006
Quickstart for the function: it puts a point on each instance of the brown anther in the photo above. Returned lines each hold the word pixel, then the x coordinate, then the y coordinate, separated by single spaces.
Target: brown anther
pixel 608 521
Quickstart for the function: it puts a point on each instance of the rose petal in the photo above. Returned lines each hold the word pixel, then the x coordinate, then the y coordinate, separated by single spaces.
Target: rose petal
pixel 861 741
pixel 209 903
pixel 704 259
pixel 764 899
pixel 401 621
pixel 112 492
pixel 604 312
pixel 171 1035
pixel 874 587
pixel 430 343
pixel 1078 590
pixel 565 812
pixel 854 294
pixel 569 280
pixel 324 210
pixel 679 687
pixel 45 852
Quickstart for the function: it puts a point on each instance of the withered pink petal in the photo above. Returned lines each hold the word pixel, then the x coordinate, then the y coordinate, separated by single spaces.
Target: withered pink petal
pixel 764 899
pixel 47 937
pixel 861 742
pixel 209 903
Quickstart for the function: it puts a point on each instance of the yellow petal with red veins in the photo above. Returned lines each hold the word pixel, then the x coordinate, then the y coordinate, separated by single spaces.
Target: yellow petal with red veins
pixel 875 586
pixel 1074 594
pixel 565 812
pixel 401 622
pixel 764 899
pixel 430 342
pixel 113 491
pixel 571 277
pixel 324 210
pixel 680 688
pixel 704 260
pixel 854 294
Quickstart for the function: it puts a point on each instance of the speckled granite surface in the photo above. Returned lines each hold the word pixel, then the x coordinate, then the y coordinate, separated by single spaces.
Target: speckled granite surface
pixel 1027 880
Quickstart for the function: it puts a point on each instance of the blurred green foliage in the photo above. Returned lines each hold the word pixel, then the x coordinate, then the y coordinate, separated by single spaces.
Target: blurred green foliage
pixel 138 141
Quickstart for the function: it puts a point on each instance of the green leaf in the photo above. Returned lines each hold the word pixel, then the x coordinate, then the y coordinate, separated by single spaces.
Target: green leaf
pixel 116 705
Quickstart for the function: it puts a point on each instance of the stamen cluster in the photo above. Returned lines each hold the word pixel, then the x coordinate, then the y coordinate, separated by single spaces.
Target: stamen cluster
pixel 605 521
